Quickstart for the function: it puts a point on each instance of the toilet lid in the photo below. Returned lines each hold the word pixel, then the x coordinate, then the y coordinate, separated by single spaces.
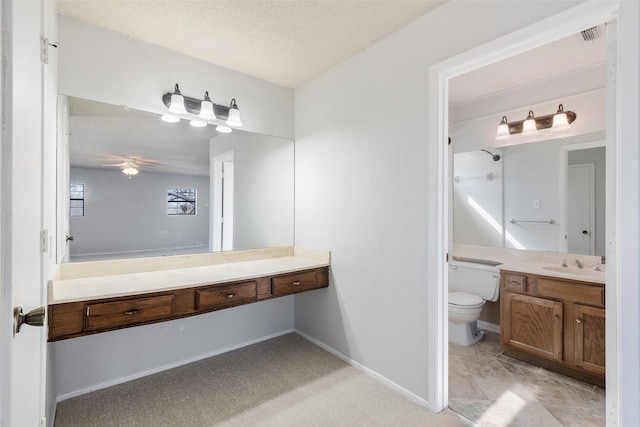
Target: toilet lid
pixel 464 299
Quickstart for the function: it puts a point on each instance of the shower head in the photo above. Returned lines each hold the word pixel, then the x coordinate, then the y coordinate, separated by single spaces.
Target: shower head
pixel 495 157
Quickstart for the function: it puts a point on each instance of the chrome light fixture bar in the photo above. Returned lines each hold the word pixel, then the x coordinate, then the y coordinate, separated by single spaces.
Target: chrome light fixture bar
pixel 203 108
pixel 558 121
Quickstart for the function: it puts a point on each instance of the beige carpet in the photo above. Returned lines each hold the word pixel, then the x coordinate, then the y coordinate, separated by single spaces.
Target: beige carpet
pixel 286 381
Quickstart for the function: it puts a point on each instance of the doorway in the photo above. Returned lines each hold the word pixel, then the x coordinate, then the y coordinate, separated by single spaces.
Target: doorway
pixel 222 197
pixel 581 190
pixel 548 30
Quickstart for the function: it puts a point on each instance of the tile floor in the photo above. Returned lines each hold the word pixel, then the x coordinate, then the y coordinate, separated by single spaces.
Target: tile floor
pixel 492 389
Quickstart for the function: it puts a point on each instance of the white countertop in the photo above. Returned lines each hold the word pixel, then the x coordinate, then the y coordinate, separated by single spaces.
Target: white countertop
pixel 535 262
pixel 113 285
pixel 587 274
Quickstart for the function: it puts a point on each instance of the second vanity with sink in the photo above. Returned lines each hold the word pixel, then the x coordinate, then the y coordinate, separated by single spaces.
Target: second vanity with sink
pixel 551 315
pixel 555 323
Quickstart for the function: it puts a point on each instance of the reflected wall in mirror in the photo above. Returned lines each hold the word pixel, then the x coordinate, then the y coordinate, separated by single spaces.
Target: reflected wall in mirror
pixel 546 195
pixel 242 183
pixel 477 198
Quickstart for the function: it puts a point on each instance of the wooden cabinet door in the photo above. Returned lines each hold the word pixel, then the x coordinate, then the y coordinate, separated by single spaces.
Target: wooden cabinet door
pixel 533 325
pixel 589 334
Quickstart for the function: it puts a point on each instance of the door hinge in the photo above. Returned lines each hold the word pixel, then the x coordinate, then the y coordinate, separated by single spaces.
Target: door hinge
pixel 44 49
pixel 44 241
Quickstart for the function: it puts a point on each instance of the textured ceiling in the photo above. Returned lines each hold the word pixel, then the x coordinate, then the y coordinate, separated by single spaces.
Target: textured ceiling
pixel 284 42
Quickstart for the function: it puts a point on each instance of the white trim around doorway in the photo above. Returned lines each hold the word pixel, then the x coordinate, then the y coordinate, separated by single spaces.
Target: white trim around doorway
pixel 572 21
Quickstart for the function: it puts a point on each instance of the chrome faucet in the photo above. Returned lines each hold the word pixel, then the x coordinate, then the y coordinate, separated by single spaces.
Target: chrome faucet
pixel 579 264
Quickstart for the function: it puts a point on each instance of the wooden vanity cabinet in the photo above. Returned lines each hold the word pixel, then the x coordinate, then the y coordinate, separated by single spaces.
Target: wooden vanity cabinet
pixel 75 319
pixel 590 339
pixel 533 325
pixel 554 323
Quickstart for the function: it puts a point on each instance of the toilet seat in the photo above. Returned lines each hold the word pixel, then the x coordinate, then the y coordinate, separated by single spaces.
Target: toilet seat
pixel 465 300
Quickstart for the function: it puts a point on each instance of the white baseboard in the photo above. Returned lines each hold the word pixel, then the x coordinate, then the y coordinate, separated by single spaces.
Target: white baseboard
pixel 116 381
pixel 491 327
pixel 403 391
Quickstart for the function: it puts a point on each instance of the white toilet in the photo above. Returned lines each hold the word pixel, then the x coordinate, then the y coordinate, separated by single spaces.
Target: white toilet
pixel 470 286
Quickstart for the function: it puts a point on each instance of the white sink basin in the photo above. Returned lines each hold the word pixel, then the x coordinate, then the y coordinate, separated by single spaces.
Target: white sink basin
pixel 573 270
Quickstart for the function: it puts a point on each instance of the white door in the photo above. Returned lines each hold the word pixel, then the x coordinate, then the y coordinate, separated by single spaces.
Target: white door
pixel 221 210
pixel 581 208
pixel 227 206
pixel 22 279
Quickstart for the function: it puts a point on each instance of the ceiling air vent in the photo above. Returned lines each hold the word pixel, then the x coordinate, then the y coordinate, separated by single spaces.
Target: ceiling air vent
pixel 591 33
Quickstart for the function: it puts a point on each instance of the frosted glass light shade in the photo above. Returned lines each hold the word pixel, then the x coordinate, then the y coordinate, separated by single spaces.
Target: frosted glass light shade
pixel 529 125
pixel 503 129
pixel 223 129
pixel 234 115
pixel 177 104
pixel 560 120
pixel 206 111
pixel 206 108
pixel 197 124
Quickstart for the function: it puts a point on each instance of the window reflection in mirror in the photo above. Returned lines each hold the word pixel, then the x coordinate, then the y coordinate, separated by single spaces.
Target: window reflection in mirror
pixel 128 161
pixel 546 195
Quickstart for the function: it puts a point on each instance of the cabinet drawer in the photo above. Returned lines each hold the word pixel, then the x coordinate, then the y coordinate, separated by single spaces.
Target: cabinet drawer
pixel 224 296
pixel 515 283
pixel 109 315
pixel 293 283
pixel 585 294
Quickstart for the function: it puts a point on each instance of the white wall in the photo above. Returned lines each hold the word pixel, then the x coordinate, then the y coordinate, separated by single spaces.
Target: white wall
pixel 477 199
pixel 362 168
pixel 100 65
pixel 480 131
pixel 532 172
pixel 263 188
pixel 104 66
pixel 127 215
pixel 96 361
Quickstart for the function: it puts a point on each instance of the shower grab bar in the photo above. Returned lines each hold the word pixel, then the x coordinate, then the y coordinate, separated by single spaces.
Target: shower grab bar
pixel 546 221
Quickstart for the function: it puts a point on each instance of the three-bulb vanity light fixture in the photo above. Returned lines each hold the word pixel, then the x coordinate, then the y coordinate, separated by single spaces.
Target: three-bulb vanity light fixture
pixel 558 121
pixel 205 109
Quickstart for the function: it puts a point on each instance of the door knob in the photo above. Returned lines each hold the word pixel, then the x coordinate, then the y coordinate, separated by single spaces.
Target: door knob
pixel 69 238
pixel 34 318
pixel 585 232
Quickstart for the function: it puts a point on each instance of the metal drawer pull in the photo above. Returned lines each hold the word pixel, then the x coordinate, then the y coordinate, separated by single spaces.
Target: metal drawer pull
pixel 578 320
pixel 556 317
pixel 227 296
pixel 514 283
pixel 296 283
pixel 132 312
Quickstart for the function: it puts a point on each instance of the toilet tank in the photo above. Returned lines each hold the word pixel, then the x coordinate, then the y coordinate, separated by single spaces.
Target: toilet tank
pixel 476 279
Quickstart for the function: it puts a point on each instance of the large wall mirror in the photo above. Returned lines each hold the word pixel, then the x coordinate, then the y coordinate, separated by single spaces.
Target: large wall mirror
pixel 545 195
pixel 131 185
